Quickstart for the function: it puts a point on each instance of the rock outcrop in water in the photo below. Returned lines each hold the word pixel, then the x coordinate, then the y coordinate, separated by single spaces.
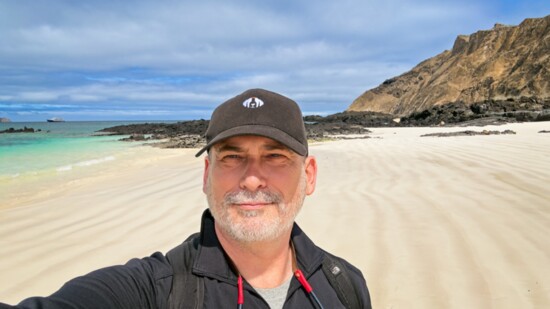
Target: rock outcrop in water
pixel 23 130
pixel 184 134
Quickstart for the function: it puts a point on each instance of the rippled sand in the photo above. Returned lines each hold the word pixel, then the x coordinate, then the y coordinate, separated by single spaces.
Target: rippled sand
pixel 454 222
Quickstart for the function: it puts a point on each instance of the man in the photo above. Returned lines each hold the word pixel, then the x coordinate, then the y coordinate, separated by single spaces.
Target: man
pixel 249 252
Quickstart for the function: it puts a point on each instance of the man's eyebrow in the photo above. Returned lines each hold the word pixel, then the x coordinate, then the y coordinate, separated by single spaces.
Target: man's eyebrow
pixel 235 148
pixel 276 146
pixel 228 147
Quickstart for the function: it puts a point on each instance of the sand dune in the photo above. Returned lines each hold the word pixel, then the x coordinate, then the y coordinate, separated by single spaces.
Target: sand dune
pixel 455 222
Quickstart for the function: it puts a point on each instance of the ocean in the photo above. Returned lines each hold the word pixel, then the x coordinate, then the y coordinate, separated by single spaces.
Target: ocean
pixel 58 150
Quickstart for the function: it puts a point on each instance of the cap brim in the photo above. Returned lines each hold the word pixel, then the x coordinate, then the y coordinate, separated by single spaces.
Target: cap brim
pixel 260 130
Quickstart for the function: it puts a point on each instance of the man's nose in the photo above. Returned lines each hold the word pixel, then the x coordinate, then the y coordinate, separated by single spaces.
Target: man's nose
pixel 253 177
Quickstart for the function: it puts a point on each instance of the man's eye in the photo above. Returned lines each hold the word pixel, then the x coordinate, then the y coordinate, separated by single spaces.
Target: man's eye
pixel 276 156
pixel 231 157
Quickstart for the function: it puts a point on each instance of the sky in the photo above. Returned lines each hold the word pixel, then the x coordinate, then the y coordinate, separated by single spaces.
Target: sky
pixel 177 60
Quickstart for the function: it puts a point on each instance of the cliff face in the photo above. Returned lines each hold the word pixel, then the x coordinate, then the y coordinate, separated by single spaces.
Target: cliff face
pixel 506 62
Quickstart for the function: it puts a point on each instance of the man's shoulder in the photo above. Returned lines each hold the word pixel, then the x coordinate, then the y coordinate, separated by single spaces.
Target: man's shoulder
pixel 352 269
pixel 347 280
pixel 184 253
pixel 156 265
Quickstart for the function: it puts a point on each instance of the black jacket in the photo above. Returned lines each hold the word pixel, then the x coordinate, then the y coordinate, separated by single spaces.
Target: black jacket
pixel 146 283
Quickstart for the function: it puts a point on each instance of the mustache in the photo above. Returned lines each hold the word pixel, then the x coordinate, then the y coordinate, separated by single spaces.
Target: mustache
pixel 252 197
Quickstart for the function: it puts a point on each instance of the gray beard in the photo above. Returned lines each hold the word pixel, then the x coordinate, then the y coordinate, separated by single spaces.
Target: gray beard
pixel 247 227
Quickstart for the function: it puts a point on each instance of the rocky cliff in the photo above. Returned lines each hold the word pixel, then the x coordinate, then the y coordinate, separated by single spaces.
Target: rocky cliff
pixel 504 63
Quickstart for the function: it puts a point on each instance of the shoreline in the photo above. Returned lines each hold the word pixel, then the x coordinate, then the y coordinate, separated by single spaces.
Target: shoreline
pixel 16 188
pixel 432 222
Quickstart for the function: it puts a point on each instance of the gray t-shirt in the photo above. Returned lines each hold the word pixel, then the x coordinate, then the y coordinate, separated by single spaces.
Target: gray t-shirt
pixel 275 297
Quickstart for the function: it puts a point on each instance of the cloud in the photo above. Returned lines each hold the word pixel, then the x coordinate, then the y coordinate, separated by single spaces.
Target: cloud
pixel 145 54
pixel 185 36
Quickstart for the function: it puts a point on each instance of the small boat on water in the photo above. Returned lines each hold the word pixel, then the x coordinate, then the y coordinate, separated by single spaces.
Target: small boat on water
pixel 56 119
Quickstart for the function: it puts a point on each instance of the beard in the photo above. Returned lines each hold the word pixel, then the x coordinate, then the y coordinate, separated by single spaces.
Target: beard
pixel 264 224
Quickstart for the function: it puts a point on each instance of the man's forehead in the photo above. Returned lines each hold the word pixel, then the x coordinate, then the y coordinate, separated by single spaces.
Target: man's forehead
pixel 244 141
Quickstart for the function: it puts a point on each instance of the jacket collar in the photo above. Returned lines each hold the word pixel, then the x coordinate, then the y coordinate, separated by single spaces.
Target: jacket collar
pixel 211 260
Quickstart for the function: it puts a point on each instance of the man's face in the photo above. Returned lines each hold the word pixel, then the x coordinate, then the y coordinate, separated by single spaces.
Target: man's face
pixel 255 186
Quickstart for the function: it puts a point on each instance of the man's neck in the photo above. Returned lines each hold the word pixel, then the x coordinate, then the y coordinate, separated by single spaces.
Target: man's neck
pixel 263 264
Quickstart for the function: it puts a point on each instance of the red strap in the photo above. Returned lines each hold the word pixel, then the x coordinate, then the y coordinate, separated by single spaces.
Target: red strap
pixel 300 276
pixel 240 297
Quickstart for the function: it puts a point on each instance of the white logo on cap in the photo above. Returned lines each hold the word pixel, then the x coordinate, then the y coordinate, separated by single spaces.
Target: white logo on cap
pixel 253 102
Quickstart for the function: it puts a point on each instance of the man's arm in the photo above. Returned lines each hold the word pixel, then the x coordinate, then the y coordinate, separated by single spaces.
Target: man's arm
pixel 361 287
pixel 140 283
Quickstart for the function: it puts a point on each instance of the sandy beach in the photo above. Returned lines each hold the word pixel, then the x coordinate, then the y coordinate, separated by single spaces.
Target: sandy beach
pixel 433 222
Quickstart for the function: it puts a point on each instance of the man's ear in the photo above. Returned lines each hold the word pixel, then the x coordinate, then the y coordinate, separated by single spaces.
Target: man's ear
pixel 311 174
pixel 205 175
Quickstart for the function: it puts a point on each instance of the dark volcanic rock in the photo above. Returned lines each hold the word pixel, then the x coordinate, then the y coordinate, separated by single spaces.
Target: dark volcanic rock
pixel 544 116
pixel 482 113
pixel 185 134
pixel 134 137
pixel 184 141
pixel 160 130
pixel 345 123
pixel 190 134
pixel 24 130
pixel 468 133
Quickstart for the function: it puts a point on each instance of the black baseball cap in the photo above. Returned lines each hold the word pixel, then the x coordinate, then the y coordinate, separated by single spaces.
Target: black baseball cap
pixel 258 112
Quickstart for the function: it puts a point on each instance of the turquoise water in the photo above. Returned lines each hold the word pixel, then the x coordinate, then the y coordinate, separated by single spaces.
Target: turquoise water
pixel 58 148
